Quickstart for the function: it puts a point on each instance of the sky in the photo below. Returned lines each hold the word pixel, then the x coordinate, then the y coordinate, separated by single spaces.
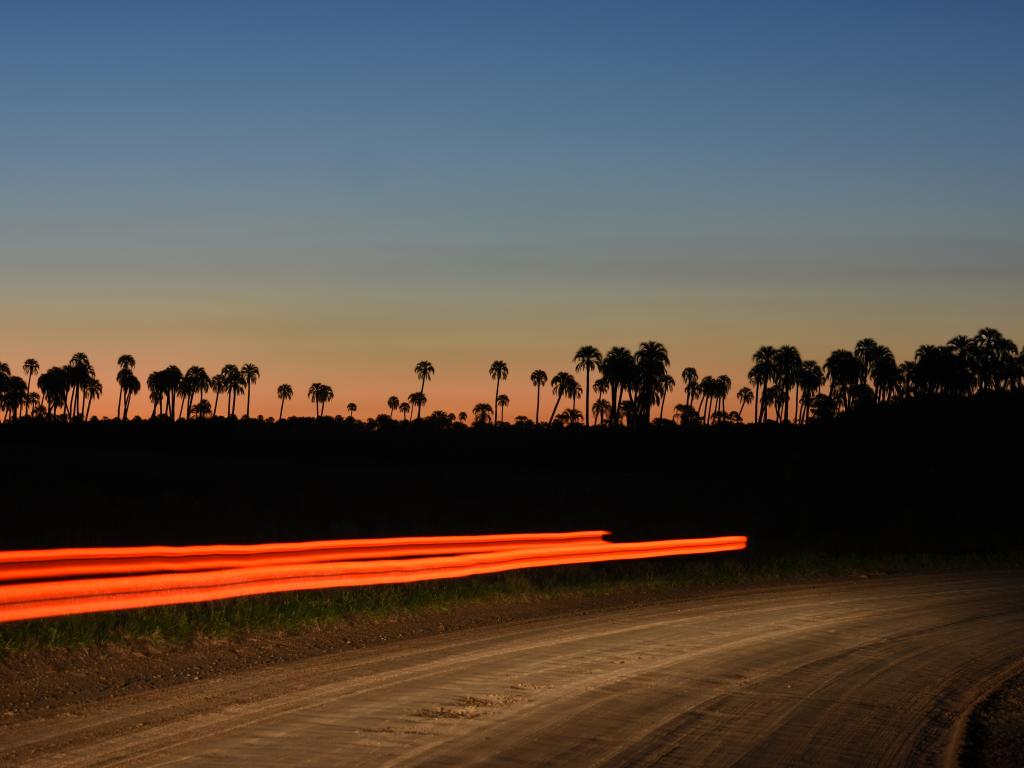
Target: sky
pixel 336 190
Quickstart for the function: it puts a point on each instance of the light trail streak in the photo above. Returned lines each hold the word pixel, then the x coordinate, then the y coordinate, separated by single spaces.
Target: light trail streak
pixel 25 565
pixel 21 601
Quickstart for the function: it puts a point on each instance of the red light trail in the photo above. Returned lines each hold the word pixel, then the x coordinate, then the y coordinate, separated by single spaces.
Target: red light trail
pixel 152 576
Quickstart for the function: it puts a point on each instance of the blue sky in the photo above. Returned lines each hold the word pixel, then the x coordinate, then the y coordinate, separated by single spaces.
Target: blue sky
pixel 616 168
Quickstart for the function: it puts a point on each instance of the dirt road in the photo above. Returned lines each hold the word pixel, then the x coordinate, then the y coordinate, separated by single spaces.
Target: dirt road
pixel 875 672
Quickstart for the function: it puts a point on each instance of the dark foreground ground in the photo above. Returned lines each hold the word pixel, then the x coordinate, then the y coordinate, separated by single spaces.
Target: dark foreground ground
pixel 867 671
pixel 917 477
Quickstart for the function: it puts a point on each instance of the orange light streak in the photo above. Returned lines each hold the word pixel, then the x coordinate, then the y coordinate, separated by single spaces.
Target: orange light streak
pixel 62 563
pixel 58 598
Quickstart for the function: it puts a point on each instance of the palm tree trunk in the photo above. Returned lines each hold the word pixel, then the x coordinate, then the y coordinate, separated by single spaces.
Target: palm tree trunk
pixel 281 414
pixel 248 398
pixel 536 419
pixel 587 401
pixel 555 408
pixel 497 386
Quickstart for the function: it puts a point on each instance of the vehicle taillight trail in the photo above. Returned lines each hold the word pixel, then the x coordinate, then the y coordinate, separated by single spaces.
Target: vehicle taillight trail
pixel 60 582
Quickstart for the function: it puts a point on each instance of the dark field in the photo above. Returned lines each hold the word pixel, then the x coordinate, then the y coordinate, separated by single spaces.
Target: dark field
pixel 919 477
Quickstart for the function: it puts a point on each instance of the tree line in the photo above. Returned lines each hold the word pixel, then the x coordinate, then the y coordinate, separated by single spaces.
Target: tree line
pixel 628 387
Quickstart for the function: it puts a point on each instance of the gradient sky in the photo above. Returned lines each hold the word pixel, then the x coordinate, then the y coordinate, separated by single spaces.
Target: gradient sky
pixel 337 190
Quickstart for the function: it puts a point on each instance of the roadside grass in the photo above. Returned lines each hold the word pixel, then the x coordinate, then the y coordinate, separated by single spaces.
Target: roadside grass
pixel 179 625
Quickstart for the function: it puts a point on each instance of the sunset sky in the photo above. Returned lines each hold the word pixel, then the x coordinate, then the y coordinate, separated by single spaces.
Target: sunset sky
pixel 335 191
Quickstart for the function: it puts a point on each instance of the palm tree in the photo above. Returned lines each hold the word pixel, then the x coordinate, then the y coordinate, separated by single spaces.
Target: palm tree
pixel 690 381
pixel 393 403
pixel 80 372
pixel 313 393
pixel 418 399
pixel 760 376
pixel 668 383
pixel 320 394
pixel 94 390
pixel 284 392
pixel 131 386
pixel 251 374
pixel 482 413
pixel 538 378
pixel 351 408
pixel 424 371
pixel 601 408
pixel 217 385
pixel 562 384
pixel 195 382
pixel 503 404
pixel 811 378
pixel 234 385
pixel 651 366
pixel 499 372
pixel 617 369
pixel 843 370
pixel 462 417
pixel 786 366
pixel 202 409
pixel 587 358
pixel 746 396
pixel 404 408
pixel 30 368
pixel 54 386
pixel 121 377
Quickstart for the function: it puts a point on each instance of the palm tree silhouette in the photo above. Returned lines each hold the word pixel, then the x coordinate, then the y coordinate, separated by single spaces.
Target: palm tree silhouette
pixel 284 392
pixel 131 385
pixel 202 409
pixel 320 394
pixel 786 366
pixel 30 367
pixel 651 368
pixel 498 371
pixel 418 399
pixel 424 371
pixel 462 417
pixel 217 385
pixel 668 383
pixel 690 380
pixel 601 408
pixel 843 370
pixel 617 369
pixel 351 408
pixel 195 382
pixel 503 404
pixel 234 384
pixel 393 403
pixel 760 376
pixel 746 396
pixel 94 390
pixel 313 393
pixel 405 408
pixel 538 378
pixel 563 385
pixel 587 358
pixel 482 413
pixel 251 374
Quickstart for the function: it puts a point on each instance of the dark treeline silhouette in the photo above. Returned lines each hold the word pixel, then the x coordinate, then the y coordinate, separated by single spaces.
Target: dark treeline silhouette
pixel 921 474
pixel 630 388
